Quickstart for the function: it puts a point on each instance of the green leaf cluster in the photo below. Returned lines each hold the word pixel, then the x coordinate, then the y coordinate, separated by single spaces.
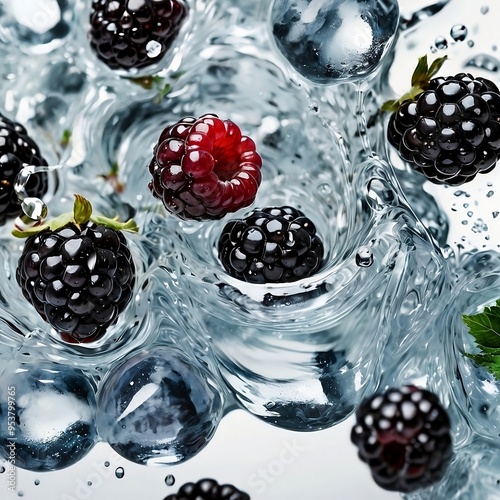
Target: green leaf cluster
pixel 485 328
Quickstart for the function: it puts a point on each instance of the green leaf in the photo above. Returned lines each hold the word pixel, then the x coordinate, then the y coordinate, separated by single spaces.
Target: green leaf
pixel 485 328
pixel 66 137
pixel 82 209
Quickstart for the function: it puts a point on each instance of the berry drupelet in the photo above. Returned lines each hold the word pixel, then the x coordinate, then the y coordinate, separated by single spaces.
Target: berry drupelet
pixel 204 168
pixel 404 436
pixel 128 34
pixel 208 489
pixel 447 128
pixel 17 150
pixel 271 245
pixel 78 273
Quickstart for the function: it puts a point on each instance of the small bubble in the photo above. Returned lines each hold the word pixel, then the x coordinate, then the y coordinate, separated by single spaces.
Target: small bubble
pixel 470 43
pixel 37 482
pixel 153 48
pixel 441 43
pixel 89 483
pixel 2 470
pixel 465 222
pixel 470 213
pixel 485 9
pixel 364 257
pixel 458 32
pixel 106 464
pixel 119 472
pixel 489 194
pixel 314 106
pixel 170 480
pixel 495 214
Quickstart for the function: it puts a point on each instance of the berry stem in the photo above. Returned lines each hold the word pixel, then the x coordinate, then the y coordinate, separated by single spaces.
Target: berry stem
pixel 81 214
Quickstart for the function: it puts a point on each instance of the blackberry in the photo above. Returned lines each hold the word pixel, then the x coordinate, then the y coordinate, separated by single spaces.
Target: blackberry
pixel 204 168
pixel 271 245
pixel 449 131
pixel 128 34
pixel 17 149
pixel 79 277
pixel 404 436
pixel 208 489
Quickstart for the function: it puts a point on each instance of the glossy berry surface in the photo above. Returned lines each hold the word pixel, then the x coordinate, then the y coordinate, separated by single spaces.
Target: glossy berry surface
pixel 17 149
pixel 204 168
pixel 272 245
pixel 451 132
pixel 208 489
pixel 404 436
pixel 129 34
pixel 79 279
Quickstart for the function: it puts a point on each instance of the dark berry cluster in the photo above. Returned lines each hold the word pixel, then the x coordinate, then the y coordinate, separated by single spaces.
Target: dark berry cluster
pixel 17 149
pixel 78 278
pixel 204 168
pixel 451 131
pixel 129 34
pixel 404 436
pixel 271 245
pixel 208 489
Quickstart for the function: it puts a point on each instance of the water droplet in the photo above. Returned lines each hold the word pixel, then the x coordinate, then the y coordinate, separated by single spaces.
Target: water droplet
pixel 484 61
pixel 380 194
pixel 2 470
pixel 37 482
pixel 89 483
pixel 441 43
pixel 470 214
pixel 495 214
pixel 314 106
pixel 485 9
pixel 119 472
pixel 459 32
pixel 470 43
pixel 364 257
pixel 170 480
pixel 325 189
pixel 106 464
pixel 153 49
pixel 20 494
pixel 34 208
pixel 489 194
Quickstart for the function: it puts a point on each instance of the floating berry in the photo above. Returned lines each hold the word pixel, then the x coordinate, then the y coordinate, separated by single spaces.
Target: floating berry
pixel 447 128
pixel 208 489
pixel 77 271
pixel 17 150
pixel 271 245
pixel 404 436
pixel 204 168
pixel 129 34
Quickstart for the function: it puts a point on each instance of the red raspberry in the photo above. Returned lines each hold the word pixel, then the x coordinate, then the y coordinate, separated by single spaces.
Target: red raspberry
pixel 205 168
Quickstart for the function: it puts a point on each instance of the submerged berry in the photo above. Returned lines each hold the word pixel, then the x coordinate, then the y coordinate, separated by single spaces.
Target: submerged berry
pixel 208 489
pixel 204 168
pixel 271 245
pixel 79 278
pixel 127 34
pixel 17 150
pixel 404 436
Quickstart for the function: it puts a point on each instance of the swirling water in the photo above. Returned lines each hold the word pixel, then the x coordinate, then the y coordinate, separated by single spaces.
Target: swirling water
pixel 404 259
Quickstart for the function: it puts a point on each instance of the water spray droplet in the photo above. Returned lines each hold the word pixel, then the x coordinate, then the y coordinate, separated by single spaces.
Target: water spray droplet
pixel 484 61
pixel 2 470
pixel 364 257
pixel 37 482
pixel 170 480
pixel 153 49
pixel 441 43
pixel 459 32
pixel 119 472
pixel 106 464
pixel 485 9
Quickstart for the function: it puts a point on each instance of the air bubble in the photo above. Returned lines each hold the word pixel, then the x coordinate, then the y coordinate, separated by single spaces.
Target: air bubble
pixel 37 482
pixel 441 43
pixel 106 464
pixel 119 472
pixel 89 483
pixel 364 257
pixel 459 32
pixel 170 480
pixel 153 49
